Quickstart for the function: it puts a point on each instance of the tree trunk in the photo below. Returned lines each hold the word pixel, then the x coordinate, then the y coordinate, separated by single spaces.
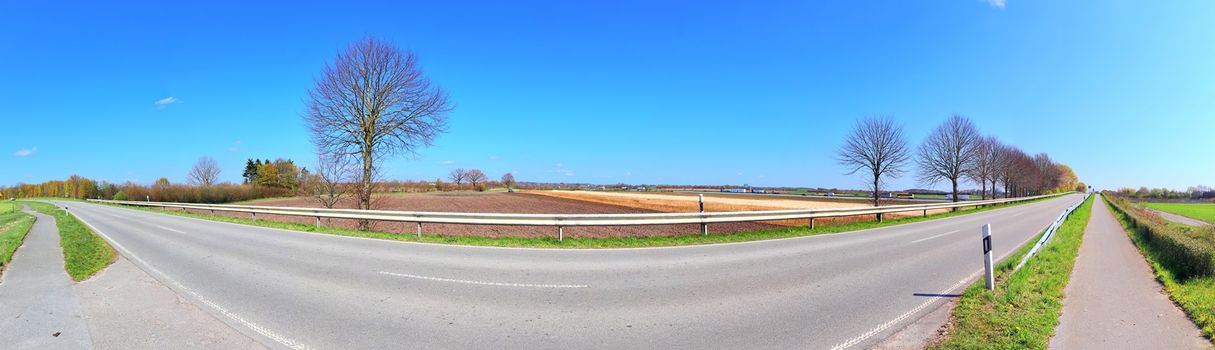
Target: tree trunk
pixel 365 193
pixel 875 191
pixel 955 190
pixel 983 191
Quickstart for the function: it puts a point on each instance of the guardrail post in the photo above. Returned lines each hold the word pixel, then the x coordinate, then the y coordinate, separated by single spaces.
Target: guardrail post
pixel 560 233
pixel 254 215
pixel 704 229
pixel 990 278
pixel 419 229
pixel 925 212
pixel 811 223
pixel 318 222
pixel 879 217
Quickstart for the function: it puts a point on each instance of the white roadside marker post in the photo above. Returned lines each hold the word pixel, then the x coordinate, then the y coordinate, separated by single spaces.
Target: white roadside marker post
pixel 704 228
pixel 991 279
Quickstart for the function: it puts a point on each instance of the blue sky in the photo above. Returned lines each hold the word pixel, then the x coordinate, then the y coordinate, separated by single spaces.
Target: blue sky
pixel 622 91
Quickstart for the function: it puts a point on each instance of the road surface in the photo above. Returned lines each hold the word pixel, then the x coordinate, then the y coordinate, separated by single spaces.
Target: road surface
pixel 1114 301
pixel 300 290
pixel 1180 219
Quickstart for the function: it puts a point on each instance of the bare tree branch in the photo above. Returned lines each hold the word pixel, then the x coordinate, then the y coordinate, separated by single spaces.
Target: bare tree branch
pixel 205 172
pixel 374 101
pixel 948 153
pixel 877 148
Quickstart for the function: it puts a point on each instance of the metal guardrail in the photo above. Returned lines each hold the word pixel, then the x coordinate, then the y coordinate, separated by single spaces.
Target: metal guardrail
pixel 1050 231
pixel 566 220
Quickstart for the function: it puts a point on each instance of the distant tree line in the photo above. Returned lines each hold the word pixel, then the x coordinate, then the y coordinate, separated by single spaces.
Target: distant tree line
pixel 955 152
pixel 1193 192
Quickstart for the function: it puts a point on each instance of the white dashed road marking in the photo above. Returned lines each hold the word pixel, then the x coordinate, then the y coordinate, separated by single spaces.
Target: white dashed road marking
pixel 928 238
pixel 484 283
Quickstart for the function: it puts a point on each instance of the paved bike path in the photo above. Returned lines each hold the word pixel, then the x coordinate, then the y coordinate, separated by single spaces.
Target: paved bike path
pixel 39 308
pixel 1114 301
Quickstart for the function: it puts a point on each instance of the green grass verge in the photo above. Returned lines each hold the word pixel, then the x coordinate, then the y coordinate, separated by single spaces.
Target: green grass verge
pixel 1195 295
pixel 578 242
pixel 84 252
pixel 14 224
pixel 1198 211
pixel 1023 310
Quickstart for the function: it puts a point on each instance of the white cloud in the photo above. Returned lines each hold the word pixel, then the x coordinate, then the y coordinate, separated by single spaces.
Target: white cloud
pixel 446 162
pixel 25 152
pixel 996 3
pixel 235 147
pixel 166 101
pixel 492 157
pixel 628 173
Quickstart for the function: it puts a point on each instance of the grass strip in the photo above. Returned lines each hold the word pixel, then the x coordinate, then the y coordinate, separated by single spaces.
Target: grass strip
pixel 1023 310
pixel 1197 211
pixel 14 224
pixel 583 242
pixel 1195 295
pixel 84 252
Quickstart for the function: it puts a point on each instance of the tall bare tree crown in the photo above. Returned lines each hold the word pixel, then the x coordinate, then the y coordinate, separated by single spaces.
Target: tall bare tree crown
pixel 375 101
pixel 877 148
pixel 205 172
pixel 949 151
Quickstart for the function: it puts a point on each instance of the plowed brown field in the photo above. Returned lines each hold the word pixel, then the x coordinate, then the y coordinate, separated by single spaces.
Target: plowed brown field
pixel 689 202
pixel 566 202
pixel 471 202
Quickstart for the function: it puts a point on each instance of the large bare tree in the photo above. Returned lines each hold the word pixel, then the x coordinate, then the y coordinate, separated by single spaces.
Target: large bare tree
pixel 475 177
pixel 949 151
pixel 373 102
pixel 876 147
pixel 205 172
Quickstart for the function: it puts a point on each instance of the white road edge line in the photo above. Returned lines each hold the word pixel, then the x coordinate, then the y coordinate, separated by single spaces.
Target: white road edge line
pixel 288 342
pixel 484 283
pixel 882 327
pixel 168 229
pixel 928 238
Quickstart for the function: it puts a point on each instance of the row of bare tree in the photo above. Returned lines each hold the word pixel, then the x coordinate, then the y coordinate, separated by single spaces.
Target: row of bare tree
pixel 955 151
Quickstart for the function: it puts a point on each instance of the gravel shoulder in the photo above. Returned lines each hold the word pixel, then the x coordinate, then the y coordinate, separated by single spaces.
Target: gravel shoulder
pixel 127 309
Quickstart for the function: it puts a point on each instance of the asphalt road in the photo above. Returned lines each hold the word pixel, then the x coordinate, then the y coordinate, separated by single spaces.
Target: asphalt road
pixel 1180 219
pixel 300 290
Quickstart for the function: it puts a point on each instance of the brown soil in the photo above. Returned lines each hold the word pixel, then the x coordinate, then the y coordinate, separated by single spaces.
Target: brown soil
pixel 471 202
pixel 689 202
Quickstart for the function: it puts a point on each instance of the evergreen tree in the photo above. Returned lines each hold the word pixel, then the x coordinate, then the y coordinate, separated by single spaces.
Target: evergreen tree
pixel 250 173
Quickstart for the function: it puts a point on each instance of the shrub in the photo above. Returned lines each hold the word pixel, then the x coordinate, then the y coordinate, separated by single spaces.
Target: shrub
pixel 120 196
pixel 1186 251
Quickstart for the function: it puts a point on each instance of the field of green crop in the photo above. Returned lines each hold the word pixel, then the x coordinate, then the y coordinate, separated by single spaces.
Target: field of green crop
pixel 1200 211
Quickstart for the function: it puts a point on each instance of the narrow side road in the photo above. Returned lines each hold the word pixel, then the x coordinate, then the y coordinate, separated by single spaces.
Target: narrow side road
pixel 1180 219
pixel 1114 301
pixel 39 308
